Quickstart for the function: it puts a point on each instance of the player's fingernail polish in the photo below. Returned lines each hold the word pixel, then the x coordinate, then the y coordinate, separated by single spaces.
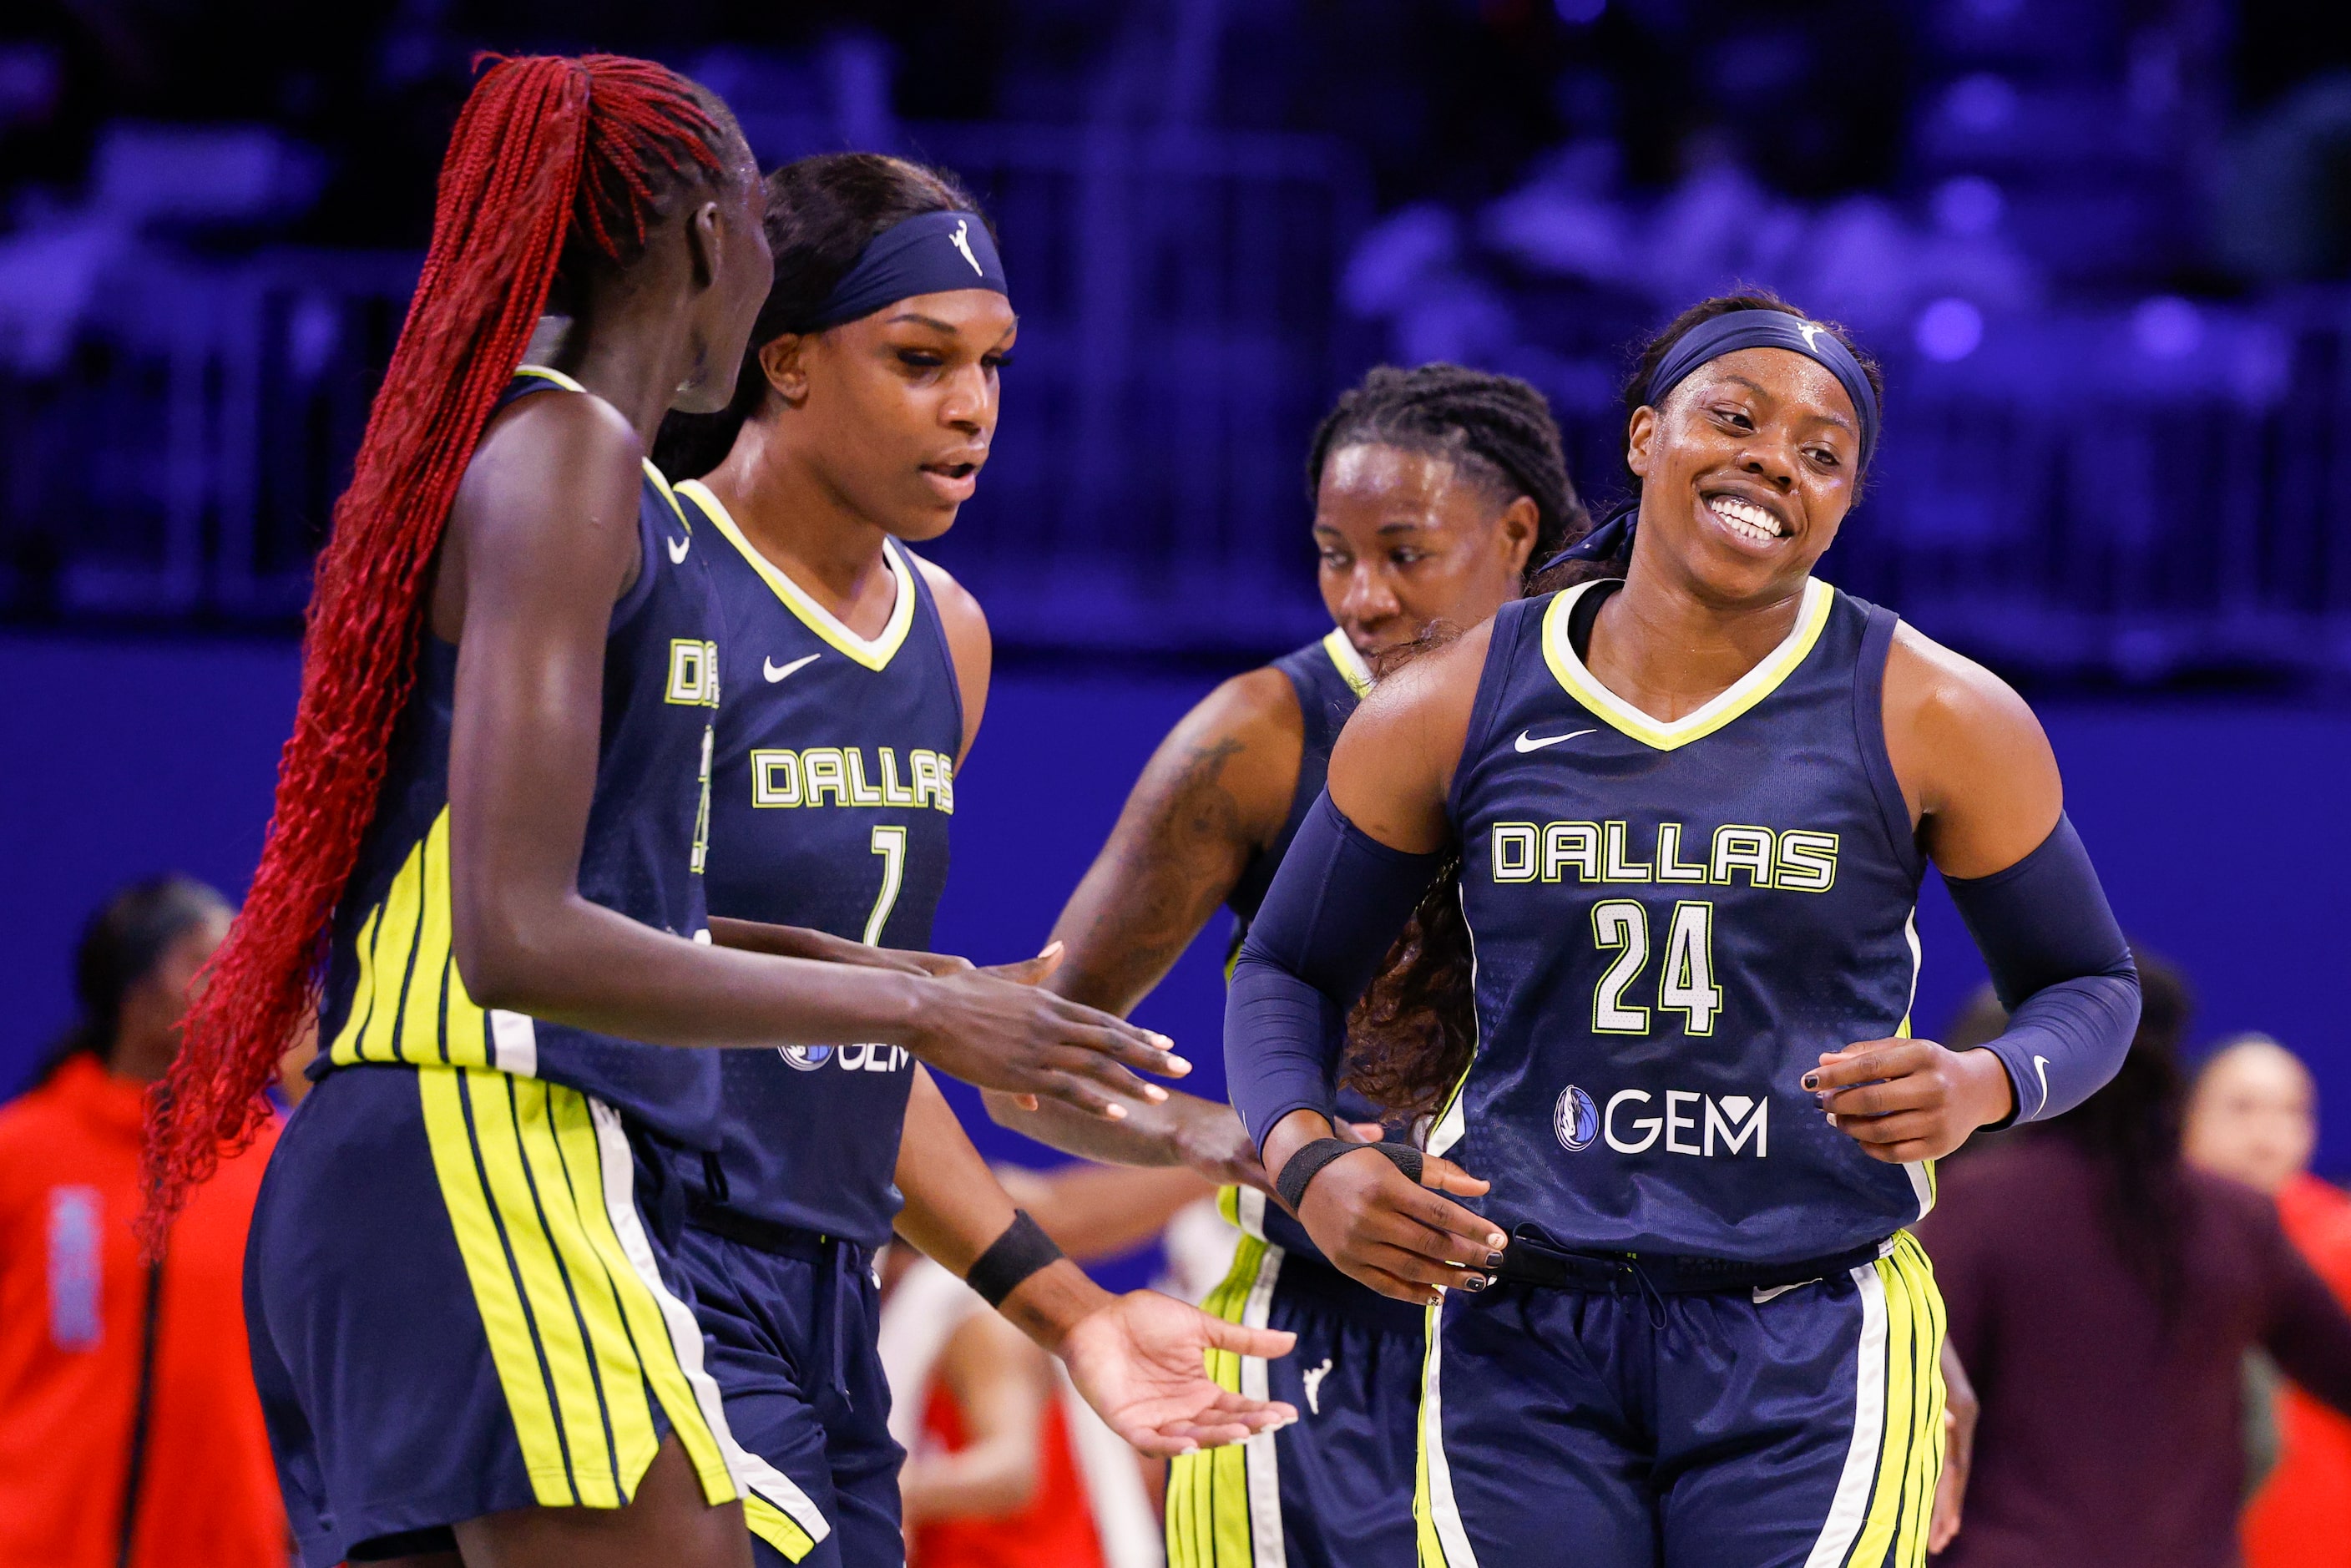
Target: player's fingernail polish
pixel 1176 1066
pixel 1115 1113
pixel 1153 1093
pixel 1493 1259
pixel 1811 1080
pixel 1473 1281
pixel 1497 1241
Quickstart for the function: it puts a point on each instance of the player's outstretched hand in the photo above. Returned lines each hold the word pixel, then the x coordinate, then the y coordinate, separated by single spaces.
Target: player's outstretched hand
pixel 1141 1362
pixel 1401 1240
pixel 1904 1100
pixel 996 1029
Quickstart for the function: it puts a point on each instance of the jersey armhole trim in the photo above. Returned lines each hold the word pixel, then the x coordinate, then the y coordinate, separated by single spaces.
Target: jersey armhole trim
pixel 1510 624
pixel 1869 734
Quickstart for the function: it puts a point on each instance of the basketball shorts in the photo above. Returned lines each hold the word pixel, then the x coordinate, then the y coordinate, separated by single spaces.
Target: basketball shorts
pixel 793 1323
pixel 1794 1428
pixel 1334 1488
pixel 459 1301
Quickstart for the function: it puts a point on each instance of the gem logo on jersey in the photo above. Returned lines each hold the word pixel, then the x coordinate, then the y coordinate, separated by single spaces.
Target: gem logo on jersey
pixel 1575 1119
pixel 1724 1124
pixel 852 1058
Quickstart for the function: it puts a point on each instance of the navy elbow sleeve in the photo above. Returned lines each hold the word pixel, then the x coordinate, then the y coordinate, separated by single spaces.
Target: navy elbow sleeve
pixel 2061 966
pixel 1335 909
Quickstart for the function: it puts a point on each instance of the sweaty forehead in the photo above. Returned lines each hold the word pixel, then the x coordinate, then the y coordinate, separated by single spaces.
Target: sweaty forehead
pixel 1788 378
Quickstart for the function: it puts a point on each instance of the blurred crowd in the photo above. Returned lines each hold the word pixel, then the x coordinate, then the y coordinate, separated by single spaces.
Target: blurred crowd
pixel 2148 1294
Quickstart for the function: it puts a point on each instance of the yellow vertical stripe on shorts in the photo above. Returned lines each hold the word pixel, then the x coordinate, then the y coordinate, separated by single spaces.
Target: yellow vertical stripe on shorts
pixel 1423 1520
pixel 1901 1503
pixel 496 1099
pixel 1927 1441
pixel 497 1297
pixel 1209 1523
pixel 575 1131
pixel 345 1051
pixel 563 1192
pixel 776 1527
pixel 395 941
pixel 420 1013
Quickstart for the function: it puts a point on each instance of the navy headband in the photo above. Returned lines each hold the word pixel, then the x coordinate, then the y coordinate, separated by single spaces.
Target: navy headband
pixel 1710 339
pixel 931 253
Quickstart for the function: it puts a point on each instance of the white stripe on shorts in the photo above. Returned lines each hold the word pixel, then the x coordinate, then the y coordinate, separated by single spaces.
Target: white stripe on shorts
pixel 750 1471
pixel 1851 1506
pixel 1258 1455
pixel 1444 1513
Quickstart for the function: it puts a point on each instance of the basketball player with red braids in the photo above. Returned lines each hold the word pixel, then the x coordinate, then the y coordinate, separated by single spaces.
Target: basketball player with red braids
pixel 485 870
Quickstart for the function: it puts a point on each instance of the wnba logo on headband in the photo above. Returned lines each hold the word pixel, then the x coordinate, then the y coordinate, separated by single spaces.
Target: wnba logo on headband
pixel 931 253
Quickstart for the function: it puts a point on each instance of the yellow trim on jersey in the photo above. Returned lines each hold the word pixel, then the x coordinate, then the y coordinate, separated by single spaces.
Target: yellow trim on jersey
pixel 521 1170
pixel 1347 662
pixel 1210 1523
pixel 1559 653
pixel 408 1003
pixel 875 653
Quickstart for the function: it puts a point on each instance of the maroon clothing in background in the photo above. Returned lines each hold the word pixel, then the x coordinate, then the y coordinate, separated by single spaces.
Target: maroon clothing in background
pixel 2103 1440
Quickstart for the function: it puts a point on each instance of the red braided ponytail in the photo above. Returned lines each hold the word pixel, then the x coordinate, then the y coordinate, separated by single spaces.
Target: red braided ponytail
pixel 551 156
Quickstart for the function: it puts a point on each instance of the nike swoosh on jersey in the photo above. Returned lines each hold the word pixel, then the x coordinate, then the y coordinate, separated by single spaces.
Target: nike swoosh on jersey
pixel 1527 742
pixel 774 671
pixel 2041 1066
pixel 677 548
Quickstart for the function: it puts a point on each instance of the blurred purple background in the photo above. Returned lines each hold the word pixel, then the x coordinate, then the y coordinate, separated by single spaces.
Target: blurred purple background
pixel 2100 245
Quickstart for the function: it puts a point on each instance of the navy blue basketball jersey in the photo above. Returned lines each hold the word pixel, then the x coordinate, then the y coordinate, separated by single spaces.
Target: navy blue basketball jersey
pixel 1329 679
pixel 831 787
pixel 1671 922
pixel 393 993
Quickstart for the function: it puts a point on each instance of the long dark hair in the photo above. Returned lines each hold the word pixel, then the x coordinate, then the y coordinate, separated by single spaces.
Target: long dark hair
pixel 121 946
pixel 823 212
pixel 2130 1129
pixel 1411 1035
pixel 1498 430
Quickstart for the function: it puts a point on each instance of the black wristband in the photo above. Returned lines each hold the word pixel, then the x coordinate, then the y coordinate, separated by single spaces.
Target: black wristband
pixel 1307 1163
pixel 1010 1258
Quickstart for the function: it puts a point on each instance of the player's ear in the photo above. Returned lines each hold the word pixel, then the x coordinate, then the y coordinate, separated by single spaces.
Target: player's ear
pixel 781 362
pixel 703 235
pixel 1640 440
pixel 1517 527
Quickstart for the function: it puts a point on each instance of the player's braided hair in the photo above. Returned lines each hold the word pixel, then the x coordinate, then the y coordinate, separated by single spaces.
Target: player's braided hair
pixel 1412 1031
pixel 556 165
pixel 1495 429
pixel 1631 396
pixel 823 212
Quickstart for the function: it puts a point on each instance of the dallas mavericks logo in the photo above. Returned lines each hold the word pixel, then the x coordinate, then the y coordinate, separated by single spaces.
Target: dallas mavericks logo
pixel 807 1058
pixel 1575 1119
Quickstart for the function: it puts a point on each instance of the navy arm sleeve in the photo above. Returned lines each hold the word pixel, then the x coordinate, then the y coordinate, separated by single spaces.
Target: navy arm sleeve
pixel 1335 909
pixel 2061 966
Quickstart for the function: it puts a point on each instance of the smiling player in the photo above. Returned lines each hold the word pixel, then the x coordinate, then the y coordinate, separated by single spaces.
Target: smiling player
pixel 1692 803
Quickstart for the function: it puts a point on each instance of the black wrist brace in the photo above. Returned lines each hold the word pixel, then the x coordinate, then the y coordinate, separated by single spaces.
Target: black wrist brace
pixel 1308 1163
pixel 1010 1258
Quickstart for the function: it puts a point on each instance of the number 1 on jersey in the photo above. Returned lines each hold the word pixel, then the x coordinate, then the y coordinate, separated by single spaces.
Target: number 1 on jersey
pixel 1685 984
pixel 890 843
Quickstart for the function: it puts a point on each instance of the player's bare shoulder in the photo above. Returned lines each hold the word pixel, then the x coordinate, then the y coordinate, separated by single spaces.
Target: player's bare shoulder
pixel 1960 737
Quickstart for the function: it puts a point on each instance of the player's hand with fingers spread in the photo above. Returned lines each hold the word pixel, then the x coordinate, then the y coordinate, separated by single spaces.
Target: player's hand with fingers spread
pixel 1904 1100
pixel 1378 1227
pixel 1141 1362
pixel 997 1029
